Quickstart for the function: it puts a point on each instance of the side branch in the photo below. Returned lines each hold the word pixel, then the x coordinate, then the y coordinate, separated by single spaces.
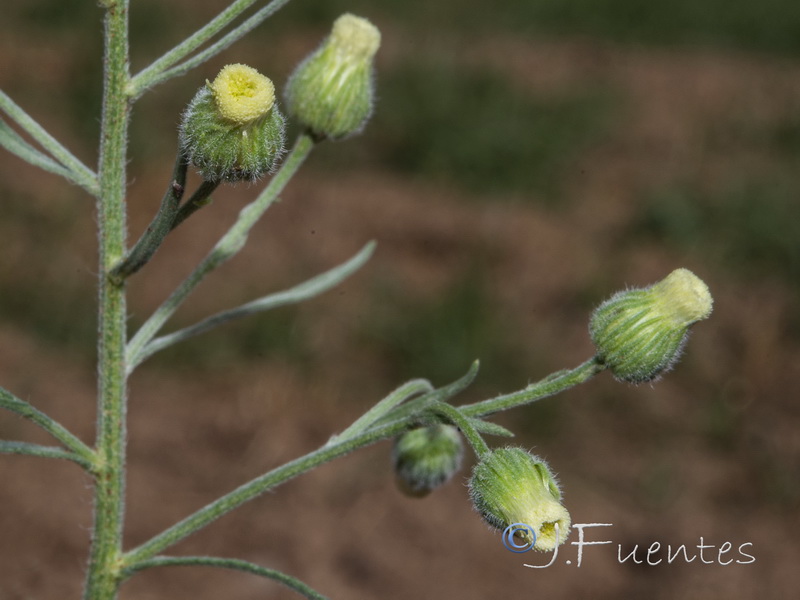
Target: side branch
pixel 280 475
pixel 254 488
pixel 227 247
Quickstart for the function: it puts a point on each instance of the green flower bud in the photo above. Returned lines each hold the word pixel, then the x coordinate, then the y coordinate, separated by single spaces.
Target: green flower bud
pixel 640 333
pixel 232 130
pixel 510 485
pixel 426 457
pixel 331 91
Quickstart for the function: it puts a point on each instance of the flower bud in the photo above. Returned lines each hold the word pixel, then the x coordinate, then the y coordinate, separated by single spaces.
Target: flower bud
pixel 640 333
pixel 331 91
pixel 426 457
pixel 232 130
pixel 510 486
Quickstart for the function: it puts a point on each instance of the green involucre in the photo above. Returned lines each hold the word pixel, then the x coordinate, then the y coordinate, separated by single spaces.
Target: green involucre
pixel 426 457
pixel 223 150
pixel 640 333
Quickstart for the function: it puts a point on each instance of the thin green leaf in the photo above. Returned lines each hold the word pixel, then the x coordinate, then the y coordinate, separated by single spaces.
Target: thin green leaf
pixel 226 563
pixel 160 71
pixel 404 392
pixel 490 428
pixel 10 402
pixel 13 142
pixel 442 394
pixel 308 289
pixel 75 170
pixel 7 447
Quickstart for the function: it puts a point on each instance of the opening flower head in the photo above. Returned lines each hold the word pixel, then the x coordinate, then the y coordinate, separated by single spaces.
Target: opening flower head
pixel 232 129
pixel 510 485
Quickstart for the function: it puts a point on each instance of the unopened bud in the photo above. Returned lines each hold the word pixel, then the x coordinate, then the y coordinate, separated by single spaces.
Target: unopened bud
pixel 232 130
pixel 640 333
pixel 426 457
pixel 331 92
pixel 511 486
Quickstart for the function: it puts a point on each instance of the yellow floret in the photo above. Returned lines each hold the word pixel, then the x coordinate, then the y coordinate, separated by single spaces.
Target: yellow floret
pixel 242 94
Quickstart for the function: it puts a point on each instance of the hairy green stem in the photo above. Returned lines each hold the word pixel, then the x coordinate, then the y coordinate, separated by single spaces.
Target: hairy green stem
pixel 227 247
pixel 391 424
pixel 270 480
pixel 227 563
pixel 549 386
pixel 201 198
pixel 103 574
pixel 256 487
pixel 455 417
pixel 162 224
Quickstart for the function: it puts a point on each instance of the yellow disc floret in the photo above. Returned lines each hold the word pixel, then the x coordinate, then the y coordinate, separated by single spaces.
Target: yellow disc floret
pixel 242 94
pixel 355 36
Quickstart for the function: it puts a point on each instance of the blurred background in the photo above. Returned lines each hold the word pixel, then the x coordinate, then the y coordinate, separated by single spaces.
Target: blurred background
pixel 526 160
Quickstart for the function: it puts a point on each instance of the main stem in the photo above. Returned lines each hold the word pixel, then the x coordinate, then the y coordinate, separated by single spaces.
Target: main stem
pixel 103 577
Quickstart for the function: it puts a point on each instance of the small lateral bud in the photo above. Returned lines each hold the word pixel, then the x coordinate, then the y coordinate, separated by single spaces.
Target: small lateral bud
pixel 232 129
pixel 511 485
pixel 640 333
pixel 426 457
pixel 331 92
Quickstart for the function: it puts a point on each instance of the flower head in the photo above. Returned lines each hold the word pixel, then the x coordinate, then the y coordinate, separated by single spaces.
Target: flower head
pixel 232 129
pixel 510 486
pixel 426 457
pixel 331 92
pixel 640 333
